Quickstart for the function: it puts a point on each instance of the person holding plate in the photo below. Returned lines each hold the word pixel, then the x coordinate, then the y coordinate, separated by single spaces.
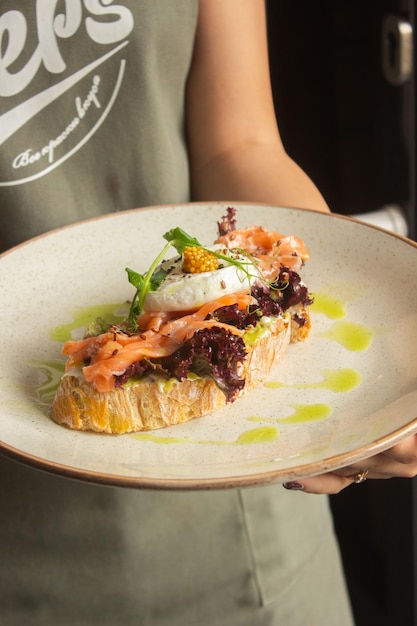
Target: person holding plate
pixel 114 105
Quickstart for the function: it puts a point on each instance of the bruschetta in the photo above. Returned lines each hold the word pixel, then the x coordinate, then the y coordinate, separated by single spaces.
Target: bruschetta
pixel 204 327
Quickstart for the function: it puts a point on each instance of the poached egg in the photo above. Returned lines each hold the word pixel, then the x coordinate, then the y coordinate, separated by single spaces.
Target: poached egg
pixel 182 291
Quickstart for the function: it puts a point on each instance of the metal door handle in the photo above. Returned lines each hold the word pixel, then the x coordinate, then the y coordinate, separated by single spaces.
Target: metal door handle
pixel 397 49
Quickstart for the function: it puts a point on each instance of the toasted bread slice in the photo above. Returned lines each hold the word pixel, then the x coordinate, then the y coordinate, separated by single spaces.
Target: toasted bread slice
pixel 150 404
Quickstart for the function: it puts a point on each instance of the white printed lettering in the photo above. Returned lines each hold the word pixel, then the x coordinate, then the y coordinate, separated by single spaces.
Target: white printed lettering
pixel 82 107
pixel 108 32
pixel 47 33
pixel 13 31
pixel 66 24
pixel 82 136
pixel 52 27
pixel 28 157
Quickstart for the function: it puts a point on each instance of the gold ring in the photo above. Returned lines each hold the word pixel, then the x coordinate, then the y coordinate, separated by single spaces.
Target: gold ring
pixel 360 477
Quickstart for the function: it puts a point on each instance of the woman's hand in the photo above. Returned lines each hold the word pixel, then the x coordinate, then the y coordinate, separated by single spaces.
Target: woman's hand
pixel 400 461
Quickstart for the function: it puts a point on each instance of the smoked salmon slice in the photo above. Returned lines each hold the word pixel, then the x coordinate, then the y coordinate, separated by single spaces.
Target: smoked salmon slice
pixel 111 353
pixel 272 249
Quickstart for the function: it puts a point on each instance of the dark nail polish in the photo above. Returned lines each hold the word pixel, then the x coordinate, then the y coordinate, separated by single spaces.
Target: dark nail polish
pixel 293 486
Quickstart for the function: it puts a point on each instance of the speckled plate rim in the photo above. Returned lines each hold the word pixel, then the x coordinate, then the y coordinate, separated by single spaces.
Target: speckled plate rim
pixel 261 478
pixel 332 463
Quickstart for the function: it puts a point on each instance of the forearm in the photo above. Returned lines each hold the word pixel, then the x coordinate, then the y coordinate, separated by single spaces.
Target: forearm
pixel 256 173
pixel 235 148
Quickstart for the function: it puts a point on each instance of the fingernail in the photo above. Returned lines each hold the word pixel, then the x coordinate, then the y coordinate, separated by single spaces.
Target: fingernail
pixel 293 486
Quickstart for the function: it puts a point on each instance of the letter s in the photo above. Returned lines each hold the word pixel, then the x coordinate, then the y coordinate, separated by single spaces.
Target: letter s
pixel 108 32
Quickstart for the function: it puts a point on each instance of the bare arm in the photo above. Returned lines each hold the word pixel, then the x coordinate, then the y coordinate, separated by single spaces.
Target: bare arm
pixel 236 152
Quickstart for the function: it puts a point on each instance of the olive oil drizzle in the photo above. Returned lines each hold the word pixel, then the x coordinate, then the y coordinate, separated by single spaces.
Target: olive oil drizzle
pixel 302 413
pixel 113 313
pixel 263 434
pixel 338 381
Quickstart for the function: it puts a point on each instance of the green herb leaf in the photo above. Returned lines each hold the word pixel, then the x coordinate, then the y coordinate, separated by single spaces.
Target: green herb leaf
pixel 135 279
pixel 157 278
pixel 180 240
pixel 143 284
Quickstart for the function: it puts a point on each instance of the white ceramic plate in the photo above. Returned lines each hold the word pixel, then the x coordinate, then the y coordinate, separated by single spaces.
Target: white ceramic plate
pixel 348 392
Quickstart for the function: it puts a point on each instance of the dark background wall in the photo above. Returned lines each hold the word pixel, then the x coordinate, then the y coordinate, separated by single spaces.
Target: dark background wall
pixel 339 117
